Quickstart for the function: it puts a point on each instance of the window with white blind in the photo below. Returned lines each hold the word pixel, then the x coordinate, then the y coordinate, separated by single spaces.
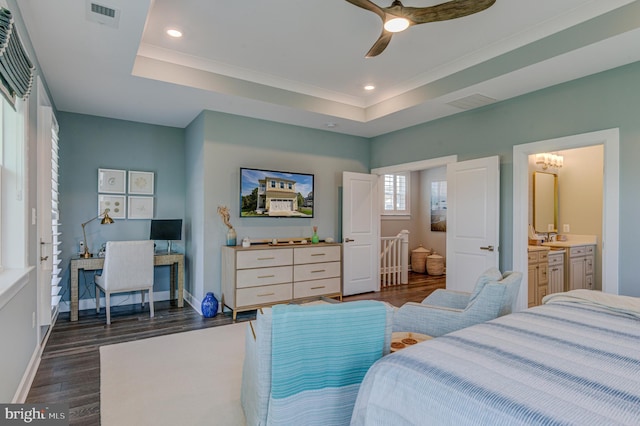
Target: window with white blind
pixel 396 194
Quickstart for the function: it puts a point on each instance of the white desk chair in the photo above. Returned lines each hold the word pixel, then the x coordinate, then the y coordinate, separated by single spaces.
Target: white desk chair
pixel 128 266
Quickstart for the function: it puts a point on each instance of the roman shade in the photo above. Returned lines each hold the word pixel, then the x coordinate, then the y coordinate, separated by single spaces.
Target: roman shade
pixel 16 69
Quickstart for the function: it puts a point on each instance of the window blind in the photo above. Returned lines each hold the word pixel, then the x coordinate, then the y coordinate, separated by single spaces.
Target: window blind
pixel 16 69
pixel 56 259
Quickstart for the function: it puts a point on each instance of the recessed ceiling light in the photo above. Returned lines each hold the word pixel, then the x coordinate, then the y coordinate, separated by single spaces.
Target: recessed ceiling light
pixel 174 33
pixel 369 87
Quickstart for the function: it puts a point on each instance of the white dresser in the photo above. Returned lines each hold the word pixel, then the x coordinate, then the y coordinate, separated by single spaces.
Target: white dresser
pixel 265 275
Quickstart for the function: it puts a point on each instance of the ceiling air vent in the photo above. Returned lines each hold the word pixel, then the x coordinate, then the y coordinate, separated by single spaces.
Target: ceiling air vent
pixel 102 14
pixel 472 101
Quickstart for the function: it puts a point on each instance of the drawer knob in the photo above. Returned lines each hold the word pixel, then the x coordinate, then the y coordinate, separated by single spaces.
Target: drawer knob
pixel 318 254
pixel 266 294
pixel 266 276
pixel 317 288
pixel 318 270
pixel 266 258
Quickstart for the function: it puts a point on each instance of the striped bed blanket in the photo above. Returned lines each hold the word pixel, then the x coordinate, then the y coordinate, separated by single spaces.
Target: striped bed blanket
pixel 572 361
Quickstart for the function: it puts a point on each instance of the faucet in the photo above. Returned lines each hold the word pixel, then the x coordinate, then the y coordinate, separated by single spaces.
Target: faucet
pixel 549 236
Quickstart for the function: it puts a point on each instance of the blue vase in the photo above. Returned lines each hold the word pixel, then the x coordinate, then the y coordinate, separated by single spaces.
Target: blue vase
pixel 209 306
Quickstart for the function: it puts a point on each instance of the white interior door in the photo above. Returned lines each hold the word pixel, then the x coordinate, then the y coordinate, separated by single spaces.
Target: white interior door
pixel 473 220
pixel 361 233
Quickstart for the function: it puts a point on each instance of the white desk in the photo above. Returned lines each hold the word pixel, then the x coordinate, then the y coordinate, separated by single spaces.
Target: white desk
pixel 174 260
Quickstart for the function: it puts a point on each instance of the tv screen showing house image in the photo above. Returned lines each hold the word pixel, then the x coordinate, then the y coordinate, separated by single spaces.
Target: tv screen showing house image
pixel 270 193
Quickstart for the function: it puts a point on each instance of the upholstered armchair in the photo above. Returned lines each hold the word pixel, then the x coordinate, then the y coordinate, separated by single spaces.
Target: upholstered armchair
pixel 128 266
pixel 304 363
pixel 444 311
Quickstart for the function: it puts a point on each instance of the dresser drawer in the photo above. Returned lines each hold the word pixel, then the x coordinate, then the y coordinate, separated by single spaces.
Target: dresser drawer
pixel 261 258
pixel 316 288
pixel 265 295
pixel 264 276
pixel 316 271
pixel 316 254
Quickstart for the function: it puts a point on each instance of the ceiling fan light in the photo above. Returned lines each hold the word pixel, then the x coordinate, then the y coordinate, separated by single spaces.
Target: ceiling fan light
pixel 395 25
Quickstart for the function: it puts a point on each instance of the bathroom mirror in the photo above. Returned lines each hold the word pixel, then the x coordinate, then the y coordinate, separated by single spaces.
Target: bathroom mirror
pixel 545 202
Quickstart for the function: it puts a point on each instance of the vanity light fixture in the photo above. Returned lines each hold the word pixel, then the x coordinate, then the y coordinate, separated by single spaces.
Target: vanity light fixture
pixel 547 160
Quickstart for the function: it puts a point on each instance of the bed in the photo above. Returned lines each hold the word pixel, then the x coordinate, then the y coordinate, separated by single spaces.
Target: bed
pixel 574 360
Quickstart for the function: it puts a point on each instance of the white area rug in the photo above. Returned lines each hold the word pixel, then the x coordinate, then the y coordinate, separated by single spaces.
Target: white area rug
pixel 190 378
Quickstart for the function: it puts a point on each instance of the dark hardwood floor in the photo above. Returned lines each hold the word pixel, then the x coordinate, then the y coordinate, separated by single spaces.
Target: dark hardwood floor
pixel 69 371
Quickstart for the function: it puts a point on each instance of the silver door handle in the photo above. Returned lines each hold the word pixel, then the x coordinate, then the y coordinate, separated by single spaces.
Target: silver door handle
pixel 348 240
pixel 488 248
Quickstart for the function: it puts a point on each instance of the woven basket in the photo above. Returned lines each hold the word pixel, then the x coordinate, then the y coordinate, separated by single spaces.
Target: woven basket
pixel 419 259
pixel 435 264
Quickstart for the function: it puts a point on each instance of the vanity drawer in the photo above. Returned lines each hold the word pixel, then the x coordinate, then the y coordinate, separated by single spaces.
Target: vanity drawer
pixel 533 256
pixel 578 251
pixel 263 276
pixel 556 259
pixel 316 254
pixel 261 258
pixel 543 256
pixel 316 288
pixel 264 295
pixel 316 271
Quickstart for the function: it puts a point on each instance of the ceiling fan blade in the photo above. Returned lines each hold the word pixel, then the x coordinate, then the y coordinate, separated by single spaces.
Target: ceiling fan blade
pixel 381 44
pixel 445 11
pixel 368 5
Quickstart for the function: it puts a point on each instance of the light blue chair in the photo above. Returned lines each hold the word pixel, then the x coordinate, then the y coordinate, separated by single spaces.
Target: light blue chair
pixel 444 311
pixel 304 364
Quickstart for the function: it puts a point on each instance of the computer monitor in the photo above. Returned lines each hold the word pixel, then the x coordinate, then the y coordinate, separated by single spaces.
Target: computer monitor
pixel 166 229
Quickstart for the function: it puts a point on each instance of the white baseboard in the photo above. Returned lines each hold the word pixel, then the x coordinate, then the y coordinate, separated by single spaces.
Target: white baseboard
pixel 131 299
pixel 32 368
pixel 116 300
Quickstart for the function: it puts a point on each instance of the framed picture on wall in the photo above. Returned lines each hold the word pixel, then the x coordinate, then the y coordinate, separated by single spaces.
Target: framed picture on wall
pixel 140 207
pixel 112 181
pixel 117 205
pixel 140 183
pixel 439 206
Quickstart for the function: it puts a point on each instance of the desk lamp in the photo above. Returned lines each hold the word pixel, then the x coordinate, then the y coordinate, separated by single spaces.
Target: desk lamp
pixel 106 220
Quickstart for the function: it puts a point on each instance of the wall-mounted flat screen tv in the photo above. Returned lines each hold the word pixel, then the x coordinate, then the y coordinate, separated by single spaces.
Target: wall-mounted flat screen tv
pixel 270 193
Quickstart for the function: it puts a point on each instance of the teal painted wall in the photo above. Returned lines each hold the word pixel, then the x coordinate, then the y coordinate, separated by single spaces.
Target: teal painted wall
pixel 231 142
pixel 606 100
pixel 88 143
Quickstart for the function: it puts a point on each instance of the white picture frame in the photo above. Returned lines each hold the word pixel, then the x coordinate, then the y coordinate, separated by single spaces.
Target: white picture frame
pixel 140 207
pixel 112 181
pixel 140 183
pixel 117 205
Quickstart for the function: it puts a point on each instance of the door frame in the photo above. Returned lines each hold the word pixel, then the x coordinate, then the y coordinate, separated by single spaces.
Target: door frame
pixel 610 138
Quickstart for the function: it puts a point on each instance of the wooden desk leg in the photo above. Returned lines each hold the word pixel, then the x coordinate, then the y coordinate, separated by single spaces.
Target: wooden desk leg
pixel 181 282
pixel 74 292
pixel 172 283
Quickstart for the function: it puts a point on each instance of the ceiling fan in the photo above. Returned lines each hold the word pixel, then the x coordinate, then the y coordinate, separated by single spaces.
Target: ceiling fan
pixel 397 17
